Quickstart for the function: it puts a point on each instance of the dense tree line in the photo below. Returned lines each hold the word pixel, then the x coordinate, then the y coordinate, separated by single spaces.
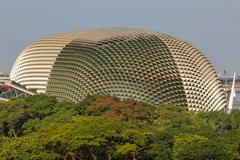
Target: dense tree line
pixel 104 127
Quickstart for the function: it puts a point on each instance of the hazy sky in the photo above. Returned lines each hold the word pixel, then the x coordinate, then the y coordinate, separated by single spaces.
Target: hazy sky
pixel 213 26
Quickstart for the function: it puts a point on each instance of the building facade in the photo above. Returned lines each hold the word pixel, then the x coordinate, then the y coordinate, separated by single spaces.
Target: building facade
pixel 144 65
pixel 4 78
pixel 227 82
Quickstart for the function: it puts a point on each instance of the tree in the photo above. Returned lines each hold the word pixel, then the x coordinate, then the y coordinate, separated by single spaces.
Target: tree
pixel 193 146
pixel 103 127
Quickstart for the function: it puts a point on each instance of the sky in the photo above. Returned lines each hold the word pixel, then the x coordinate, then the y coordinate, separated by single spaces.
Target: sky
pixel 213 26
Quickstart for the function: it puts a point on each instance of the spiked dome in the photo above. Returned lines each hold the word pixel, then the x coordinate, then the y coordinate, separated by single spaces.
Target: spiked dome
pixel 143 65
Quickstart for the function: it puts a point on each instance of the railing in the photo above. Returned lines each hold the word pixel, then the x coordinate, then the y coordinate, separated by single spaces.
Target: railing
pixel 13 94
pixel 16 91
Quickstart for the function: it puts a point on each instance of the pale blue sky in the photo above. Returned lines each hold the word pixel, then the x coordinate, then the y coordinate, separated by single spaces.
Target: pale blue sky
pixel 213 26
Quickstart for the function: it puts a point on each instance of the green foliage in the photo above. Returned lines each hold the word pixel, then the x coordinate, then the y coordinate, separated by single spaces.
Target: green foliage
pixel 127 150
pixel 82 106
pixel 99 111
pixel 103 127
pixel 235 119
pixel 192 146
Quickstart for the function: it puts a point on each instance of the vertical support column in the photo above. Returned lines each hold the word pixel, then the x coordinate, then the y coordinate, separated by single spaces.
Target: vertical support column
pixel 232 95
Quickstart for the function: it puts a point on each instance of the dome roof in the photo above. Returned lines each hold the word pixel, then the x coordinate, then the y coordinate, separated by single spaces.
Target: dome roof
pixel 143 65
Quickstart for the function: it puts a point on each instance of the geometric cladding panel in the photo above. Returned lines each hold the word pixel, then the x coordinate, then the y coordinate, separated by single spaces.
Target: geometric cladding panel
pixel 139 64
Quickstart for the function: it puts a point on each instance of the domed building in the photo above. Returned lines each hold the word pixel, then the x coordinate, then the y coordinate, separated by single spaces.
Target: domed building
pixel 139 64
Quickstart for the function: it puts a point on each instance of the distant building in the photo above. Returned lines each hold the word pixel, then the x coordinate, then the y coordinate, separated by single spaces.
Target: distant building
pixel 4 78
pixel 144 65
pixel 227 82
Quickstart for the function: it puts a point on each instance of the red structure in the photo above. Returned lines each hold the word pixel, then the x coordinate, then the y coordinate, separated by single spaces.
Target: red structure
pixel 7 88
